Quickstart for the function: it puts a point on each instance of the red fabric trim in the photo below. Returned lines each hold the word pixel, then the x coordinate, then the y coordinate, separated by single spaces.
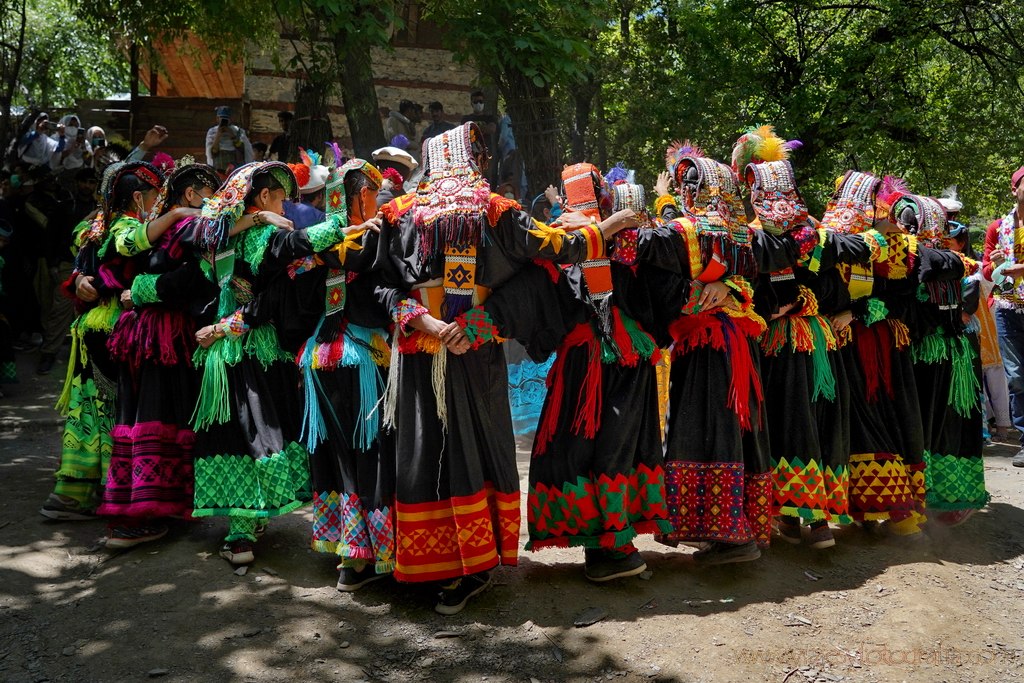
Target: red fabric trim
pixel 456 536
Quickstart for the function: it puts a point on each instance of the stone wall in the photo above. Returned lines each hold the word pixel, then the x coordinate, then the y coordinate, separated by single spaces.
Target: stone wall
pixel 418 74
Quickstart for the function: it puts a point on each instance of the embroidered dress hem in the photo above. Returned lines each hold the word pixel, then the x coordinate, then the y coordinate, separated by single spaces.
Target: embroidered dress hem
pixel 243 486
pixel 718 501
pixel 955 483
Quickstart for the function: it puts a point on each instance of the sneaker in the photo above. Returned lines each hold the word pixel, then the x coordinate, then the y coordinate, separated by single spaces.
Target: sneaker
pixel 604 566
pixel 821 537
pixel 789 530
pixel 120 537
pixel 455 595
pixel 351 579
pixel 953 518
pixel 46 362
pixel 1018 460
pixel 727 553
pixel 65 509
pixel 238 552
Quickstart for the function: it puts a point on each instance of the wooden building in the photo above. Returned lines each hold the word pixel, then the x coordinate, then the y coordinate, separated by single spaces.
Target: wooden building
pixel 187 81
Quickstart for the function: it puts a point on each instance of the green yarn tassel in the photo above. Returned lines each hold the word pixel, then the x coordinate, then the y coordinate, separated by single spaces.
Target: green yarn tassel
pixel 824 380
pixel 930 349
pixel 214 404
pixel 642 343
pixel 964 388
pixel 261 343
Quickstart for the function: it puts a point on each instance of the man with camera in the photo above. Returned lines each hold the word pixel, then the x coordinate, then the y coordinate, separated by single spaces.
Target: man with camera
pixel 1003 264
pixel 227 145
pixel 34 146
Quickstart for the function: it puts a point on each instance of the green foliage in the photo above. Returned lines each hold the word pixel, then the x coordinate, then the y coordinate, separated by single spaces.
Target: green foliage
pixel 922 90
pixel 64 60
pixel 546 42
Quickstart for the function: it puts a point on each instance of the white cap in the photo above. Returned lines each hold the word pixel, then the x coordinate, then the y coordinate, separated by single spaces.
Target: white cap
pixel 951 205
pixel 317 179
pixel 397 155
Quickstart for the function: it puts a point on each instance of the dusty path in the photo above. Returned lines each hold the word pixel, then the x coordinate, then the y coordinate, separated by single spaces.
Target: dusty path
pixel 948 609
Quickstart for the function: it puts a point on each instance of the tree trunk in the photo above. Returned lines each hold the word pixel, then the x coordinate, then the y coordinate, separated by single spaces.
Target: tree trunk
pixel 535 125
pixel 311 127
pixel 13 71
pixel 583 102
pixel 358 94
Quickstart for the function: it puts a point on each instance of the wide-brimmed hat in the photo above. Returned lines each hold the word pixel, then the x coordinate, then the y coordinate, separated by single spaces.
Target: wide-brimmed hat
pixel 399 156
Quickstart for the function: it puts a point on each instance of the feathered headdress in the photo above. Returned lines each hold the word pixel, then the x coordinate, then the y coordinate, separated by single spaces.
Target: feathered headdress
pixel 889 192
pixel 301 172
pixel 950 200
pixel 617 174
pixel 678 151
pixel 164 162
pixel 759 144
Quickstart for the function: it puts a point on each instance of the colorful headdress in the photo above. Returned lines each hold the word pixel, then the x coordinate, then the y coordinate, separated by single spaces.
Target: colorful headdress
pixel 185 166
pixel 147 173
pixel 675 154
pixel 586 191
pixel 226 206
pixel 316 175
pixel 711 199
pixel 452 198
pixel 758 145
pixel 774 196
pixel 337 201
pixel 890 191
pixel 921 216
pixel 852 207
pixel 164 162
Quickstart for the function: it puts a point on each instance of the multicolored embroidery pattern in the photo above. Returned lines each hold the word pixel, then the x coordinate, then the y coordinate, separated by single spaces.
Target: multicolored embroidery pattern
pixel 342 525
pixel 606 512
pixel 718 501
pixel 804 490
pixel 463 534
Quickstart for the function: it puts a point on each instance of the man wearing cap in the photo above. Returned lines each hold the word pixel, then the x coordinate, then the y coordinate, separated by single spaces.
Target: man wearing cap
pixel 227 145
pixel 1003 264
pixel 396 165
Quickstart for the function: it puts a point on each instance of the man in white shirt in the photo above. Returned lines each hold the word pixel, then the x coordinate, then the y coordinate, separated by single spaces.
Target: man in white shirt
pixel 227 145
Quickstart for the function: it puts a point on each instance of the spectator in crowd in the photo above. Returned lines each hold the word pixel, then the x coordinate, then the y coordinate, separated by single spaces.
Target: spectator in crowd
pixel 260 151
pixel 1003 264
pixel 403 121
pixel 438 124
pixel 279 146
pixel 60 262
pixel 34 146
pixel 97 138
pixel 396 165
pixel 72 151
pixel 227 145
pixel 488 124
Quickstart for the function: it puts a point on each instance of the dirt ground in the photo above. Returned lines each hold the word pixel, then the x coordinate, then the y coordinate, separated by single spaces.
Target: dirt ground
pixel 945 609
